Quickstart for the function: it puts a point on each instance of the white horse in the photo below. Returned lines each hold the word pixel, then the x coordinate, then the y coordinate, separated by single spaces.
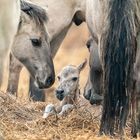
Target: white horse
pixel 9 19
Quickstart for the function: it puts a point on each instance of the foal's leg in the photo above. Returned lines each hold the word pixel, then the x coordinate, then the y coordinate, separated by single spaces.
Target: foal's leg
pixel 14 71
pixel 49 110
pixel 66 109
pixel 35 93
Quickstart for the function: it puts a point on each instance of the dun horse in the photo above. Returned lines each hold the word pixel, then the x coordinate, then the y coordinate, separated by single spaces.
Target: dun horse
pixel 31 46
pixel 9 19
pixel 57 30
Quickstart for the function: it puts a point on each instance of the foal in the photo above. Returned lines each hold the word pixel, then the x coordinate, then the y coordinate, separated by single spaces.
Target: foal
pixel 68 91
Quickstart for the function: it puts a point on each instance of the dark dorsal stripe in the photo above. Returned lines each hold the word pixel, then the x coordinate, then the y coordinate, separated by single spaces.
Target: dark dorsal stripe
pixel 34 11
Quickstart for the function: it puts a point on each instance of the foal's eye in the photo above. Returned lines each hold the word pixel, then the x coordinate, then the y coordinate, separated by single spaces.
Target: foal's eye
pixel 74 79
pixel 36 42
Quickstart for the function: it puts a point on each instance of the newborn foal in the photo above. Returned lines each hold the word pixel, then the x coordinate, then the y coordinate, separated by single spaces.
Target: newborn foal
pixel 68 91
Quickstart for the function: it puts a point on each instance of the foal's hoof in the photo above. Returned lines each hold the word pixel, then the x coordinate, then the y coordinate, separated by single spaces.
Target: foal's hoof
pixel 49 110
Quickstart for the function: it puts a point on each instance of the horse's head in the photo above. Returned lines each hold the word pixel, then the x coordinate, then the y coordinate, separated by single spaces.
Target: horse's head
pixel 69 81
pixel 93 86
pixel 31 45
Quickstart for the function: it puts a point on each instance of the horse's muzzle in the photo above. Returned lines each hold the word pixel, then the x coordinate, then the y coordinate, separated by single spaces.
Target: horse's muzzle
pixel 44 82
pixel 59 94
pixel 93 97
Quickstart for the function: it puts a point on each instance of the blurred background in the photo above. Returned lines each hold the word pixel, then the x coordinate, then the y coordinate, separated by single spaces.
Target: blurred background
pixel 72 51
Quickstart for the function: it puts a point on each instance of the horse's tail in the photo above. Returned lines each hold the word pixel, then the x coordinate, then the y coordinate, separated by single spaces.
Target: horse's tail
pixel 119 43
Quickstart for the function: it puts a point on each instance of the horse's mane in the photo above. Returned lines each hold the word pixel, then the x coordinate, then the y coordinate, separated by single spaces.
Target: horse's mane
pixel 37 13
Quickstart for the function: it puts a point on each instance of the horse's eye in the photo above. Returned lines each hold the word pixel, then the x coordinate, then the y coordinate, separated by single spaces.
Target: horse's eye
pixel 36 42
pixel 88 44
pixel 58 77
pixel 74 79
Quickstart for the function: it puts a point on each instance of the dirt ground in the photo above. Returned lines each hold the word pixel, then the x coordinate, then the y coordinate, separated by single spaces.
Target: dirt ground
pixel 21 119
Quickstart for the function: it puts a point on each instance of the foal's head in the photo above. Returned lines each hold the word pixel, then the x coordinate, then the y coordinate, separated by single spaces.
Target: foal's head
pixel 69 80
pixel 31 45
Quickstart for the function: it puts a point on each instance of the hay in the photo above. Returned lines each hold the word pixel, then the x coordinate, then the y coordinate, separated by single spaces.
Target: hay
pixel 23 120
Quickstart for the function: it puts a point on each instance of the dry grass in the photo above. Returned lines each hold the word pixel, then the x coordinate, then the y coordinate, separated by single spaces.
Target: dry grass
pixel 23 120
pixel 20 119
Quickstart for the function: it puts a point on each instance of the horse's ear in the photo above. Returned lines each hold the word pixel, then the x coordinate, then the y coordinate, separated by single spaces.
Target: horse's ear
pixel 82 65
pixel 24 17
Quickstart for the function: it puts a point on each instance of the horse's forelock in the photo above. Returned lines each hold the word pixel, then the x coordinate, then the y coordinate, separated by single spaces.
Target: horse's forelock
pixel 35 12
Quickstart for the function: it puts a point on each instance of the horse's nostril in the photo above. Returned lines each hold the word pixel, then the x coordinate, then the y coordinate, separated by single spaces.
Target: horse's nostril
pixel 88 94
pixel 59 91
pixel 49 80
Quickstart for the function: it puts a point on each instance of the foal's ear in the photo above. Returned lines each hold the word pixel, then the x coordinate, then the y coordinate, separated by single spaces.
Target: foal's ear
pixel 82 65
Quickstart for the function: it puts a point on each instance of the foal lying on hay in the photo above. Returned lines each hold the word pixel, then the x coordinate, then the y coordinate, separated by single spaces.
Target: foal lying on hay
pixel 68 92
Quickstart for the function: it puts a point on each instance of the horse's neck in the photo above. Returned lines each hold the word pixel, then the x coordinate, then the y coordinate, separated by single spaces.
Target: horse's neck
pixel 61 13
pixel 73 99
pixel 58 30
pixel 56 41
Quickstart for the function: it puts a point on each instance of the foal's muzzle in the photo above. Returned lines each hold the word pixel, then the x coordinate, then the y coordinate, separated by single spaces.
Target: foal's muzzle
pixel 59 94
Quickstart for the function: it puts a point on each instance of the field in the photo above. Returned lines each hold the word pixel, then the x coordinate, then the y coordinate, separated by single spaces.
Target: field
pixel 21 119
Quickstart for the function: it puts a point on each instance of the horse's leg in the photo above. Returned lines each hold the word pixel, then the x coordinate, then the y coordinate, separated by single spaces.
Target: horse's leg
pixel 133 104
pixel 1 70
pixel 35 93
pixel 14 71
pixel 138 113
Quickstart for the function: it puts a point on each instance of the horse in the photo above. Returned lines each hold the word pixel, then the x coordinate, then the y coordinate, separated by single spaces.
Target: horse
pixel 115 31
pixel 96 97
pixel 31 46
pixel 57 32
pixel 9 19
pixel 93 88
pixel 114 26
